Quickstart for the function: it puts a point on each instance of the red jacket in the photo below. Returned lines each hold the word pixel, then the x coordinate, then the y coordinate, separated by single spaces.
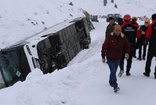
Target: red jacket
pixel 149 30
pixel 114 45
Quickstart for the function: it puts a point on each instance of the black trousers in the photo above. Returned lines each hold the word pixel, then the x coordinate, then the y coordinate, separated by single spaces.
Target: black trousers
pixel 150 55
pixel 129 61
pixel 144 51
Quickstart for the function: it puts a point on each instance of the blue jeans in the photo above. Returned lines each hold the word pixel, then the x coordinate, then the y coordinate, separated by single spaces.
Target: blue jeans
pixel 113 65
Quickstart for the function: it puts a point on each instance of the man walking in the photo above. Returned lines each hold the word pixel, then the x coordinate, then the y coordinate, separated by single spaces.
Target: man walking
pixel 110 27
pixel 131 32
pixel 112 48
pixel 134 22
pixel 151 33
pixel 144 40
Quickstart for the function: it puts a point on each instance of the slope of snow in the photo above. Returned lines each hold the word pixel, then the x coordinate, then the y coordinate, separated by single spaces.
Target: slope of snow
pixel 22 18
pixel 132 7
pixel 85 80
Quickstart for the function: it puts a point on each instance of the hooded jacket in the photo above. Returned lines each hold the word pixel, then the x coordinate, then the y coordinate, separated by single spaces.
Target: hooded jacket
pixel 114 46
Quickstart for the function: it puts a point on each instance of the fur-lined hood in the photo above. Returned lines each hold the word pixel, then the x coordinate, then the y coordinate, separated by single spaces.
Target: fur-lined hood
pixel 122 35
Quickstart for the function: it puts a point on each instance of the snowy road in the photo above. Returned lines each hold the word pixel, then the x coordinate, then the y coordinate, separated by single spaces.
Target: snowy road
pixel 135 89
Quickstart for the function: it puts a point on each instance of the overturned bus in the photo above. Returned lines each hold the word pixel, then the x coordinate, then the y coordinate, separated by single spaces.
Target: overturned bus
pixel 48 50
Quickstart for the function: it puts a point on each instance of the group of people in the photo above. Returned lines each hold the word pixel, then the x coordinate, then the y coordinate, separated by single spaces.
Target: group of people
pixel 121 42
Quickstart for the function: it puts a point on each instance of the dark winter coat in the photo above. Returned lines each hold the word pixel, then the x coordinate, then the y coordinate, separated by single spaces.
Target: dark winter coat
pixel 151 33
pixel 120 21
pixel 144 40
pixel 114 46
pixel 135 24
pixel 110 28
pixel 131 32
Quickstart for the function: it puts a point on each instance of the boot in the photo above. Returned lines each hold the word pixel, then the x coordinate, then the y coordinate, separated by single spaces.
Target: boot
pixel 143 57
pixel 120 73
pixel 110 83
pixel 128 73
pixel 116 89
pixel 139 58
pixel 146 74
pixel 134 56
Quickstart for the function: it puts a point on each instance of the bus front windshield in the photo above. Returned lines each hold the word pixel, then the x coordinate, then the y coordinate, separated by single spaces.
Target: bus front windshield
pixel 10 68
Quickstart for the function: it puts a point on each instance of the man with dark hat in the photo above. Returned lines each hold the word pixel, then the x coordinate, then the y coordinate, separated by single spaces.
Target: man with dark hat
pixel 120 21
pixel 110 27
pixel 151 33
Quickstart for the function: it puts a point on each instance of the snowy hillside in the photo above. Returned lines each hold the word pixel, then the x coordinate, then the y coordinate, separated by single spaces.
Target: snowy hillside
pixel 85 80
pixel 22 18
pixel 133 7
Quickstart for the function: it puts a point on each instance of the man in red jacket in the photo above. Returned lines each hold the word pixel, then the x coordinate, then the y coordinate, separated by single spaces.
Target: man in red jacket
pixel 112 48
pixel 151 33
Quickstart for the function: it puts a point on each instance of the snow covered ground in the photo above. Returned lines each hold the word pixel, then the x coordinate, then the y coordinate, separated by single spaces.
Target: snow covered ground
pixel 21 19
pixel 133 7
pixel 85 80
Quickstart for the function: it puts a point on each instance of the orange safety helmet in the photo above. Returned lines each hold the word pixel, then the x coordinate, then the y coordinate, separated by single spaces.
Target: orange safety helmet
pixel 127 17
pixel 147 21
pixel 134 18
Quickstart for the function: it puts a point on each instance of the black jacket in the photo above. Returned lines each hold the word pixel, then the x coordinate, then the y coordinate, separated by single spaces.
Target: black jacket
pixel 130 32
pixel 120 21
pixel 151 33
pixel 144 40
